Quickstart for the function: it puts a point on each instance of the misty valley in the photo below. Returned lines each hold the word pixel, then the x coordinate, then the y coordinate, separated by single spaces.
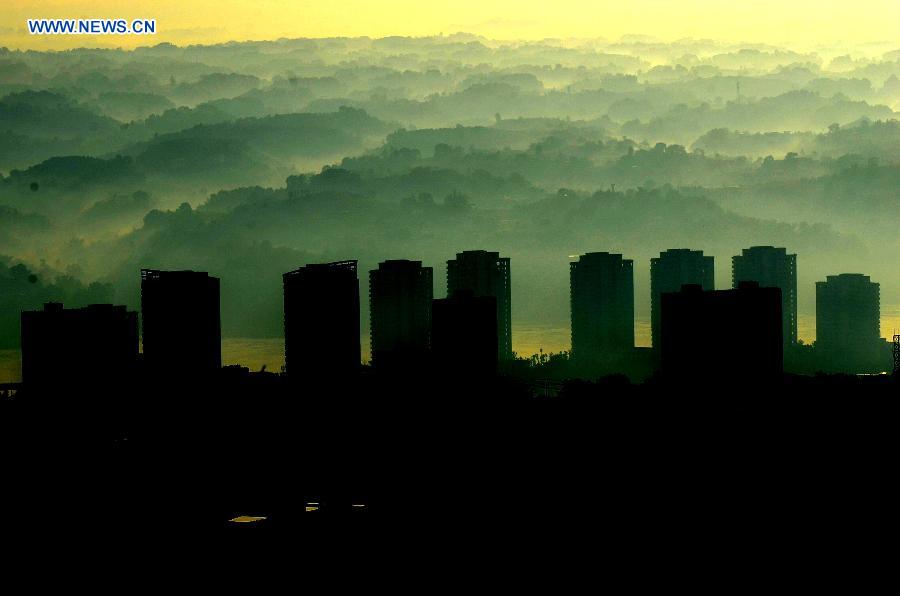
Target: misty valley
pixel 250 159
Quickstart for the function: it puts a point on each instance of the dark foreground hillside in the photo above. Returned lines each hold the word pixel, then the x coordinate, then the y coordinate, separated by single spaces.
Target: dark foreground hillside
pixel 806 459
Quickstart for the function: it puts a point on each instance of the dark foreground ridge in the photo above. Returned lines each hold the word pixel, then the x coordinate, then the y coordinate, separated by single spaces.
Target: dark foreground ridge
pixel 800 454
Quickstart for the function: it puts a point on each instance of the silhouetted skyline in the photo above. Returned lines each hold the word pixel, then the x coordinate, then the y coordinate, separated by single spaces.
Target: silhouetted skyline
pixel 180 322
pixel 771 267
pixel 181 334
pixel 321 319
pixel 400 293
pixel 848 330
pixel 486 273
pixel 89 345
pixel 720 335
pixel 602 299
pixel 464 334
pixel 671 270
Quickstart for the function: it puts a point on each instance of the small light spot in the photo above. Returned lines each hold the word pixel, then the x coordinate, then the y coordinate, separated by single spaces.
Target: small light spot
pixel 246 519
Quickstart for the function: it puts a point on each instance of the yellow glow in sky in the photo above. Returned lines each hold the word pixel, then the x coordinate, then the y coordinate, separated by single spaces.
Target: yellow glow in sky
pixel 800 22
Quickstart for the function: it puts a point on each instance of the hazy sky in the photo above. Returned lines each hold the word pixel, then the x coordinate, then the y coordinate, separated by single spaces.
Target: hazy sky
pixel 208 21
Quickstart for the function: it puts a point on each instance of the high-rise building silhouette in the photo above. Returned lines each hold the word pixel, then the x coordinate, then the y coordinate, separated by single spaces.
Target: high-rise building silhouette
pixel 321 319
pixel 602 304
pixel 181 329
pixel 486 274
pixel 94 344
pixel 464 334
pixel 400 296
pixel 848 335
pixel 724 334
pixel 671 270
pixel 771 267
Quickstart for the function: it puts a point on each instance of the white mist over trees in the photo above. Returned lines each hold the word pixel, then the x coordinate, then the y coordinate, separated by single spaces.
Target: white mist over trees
pixel 251 159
